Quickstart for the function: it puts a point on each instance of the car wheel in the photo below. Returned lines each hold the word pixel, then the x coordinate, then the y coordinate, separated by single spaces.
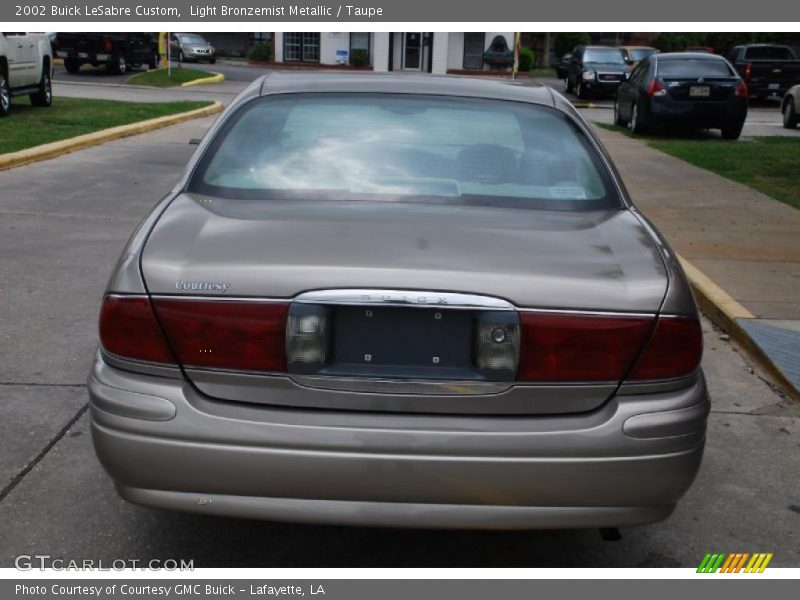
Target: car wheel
pixel 637 124
pixel 154 60
pixel 732 131
pixel 789 114
pixel 580 91
pixel 212 61
pixel 5 96
pixel 180 56
pixel 618 120
pixel 72 66
pixel 567 85
pixel 120 65
pixel 44 95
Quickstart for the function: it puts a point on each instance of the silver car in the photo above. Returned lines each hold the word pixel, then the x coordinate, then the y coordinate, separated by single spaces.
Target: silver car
pixel 402 301
pixel 191 46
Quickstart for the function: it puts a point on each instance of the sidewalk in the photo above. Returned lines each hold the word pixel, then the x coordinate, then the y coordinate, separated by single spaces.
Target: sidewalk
pixel 744 241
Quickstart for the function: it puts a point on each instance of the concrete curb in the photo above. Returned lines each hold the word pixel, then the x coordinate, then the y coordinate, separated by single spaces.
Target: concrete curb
pixel 726 313
pixel 53 149
pixel 215 78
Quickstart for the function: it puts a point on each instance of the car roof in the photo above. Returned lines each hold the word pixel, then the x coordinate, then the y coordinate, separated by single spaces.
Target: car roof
pixel 687 55
pixel 635 47
pixel 388 83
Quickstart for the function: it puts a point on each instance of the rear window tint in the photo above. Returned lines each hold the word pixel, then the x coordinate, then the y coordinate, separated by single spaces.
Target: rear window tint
pixel 769 53
pixel 694 67
pixel 403 147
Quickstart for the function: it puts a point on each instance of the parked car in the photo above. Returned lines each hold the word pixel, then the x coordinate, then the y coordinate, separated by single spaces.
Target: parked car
pixel 701 49
pixel 562 66
pixel 790 107
pixel 323 324
pixel 119 52
pixel 686 89
pixel 191 46
pixel 26 68
pixel 595 69
pixel 768 69
pixel 634 54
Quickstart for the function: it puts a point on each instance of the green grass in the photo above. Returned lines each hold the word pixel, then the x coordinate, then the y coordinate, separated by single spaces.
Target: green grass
pixel 766 164
pixel 29 126
pixel 161 77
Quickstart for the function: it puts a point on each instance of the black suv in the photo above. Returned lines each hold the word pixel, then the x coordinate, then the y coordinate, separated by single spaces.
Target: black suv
pixel 595 69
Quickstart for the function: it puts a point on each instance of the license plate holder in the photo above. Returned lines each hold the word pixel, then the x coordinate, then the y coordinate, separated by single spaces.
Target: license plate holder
pixel 699 91
pixel 400 341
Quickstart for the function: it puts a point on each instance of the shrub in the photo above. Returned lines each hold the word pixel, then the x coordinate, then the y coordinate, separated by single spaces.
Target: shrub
pixel 261 52
pixel 565 42
pixel 526 59
pixel 359 57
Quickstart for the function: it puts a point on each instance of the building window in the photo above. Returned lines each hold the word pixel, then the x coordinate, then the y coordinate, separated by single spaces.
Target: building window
pixel 359 40
pixel 301 47
pixel 474 44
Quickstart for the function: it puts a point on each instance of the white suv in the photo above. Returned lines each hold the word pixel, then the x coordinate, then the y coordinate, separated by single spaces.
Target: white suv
pixel 26 67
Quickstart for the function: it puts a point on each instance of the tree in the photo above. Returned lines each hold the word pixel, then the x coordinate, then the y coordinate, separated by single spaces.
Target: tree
pixel 565 42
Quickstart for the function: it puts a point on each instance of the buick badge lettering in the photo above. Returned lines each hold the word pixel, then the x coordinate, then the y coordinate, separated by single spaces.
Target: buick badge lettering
pixel 202 286
pixel 403 299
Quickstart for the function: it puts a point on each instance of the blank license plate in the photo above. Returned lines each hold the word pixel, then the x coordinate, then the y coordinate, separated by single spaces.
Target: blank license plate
pixel 700 91
pixel 774 86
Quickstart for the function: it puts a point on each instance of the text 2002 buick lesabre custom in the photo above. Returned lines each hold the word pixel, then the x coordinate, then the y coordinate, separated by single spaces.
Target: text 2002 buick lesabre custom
pixel 400 301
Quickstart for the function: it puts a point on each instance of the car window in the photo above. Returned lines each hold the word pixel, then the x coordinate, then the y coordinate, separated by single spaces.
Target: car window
pixel 769 53
pixel 405 147
pixel 603 55
pixel 641 53
pixel 192 39
pixel 694 67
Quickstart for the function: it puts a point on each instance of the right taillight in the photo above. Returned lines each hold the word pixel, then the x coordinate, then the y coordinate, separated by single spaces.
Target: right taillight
pixel 740 90
pixel 108 45
pixel 564 347
pixel 748 71
pixel 579 347
pixel 674 350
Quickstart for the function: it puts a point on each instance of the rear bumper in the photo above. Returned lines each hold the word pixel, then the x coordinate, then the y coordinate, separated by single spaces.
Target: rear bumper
pixel 701 114
pixel 166 445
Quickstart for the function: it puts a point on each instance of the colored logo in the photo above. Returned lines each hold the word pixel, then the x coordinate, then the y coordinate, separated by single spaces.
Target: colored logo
pixel 719 562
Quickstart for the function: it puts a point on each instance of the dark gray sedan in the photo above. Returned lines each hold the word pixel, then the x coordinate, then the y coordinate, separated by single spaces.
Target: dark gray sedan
pixel 401 301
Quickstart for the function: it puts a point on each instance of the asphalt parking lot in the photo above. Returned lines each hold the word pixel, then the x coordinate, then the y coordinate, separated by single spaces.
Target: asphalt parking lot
pixel 63 223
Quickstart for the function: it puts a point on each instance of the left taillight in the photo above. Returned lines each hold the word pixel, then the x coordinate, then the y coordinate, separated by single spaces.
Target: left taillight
pixel 235 335
pixel 129 329
pixel 108 45
pixel 656 88
pixel 741 90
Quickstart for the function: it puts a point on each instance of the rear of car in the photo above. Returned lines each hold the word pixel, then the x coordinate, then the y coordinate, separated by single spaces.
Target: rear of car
pixel 400 301
pixel 119 52
pixel 767 69
pixel 693 91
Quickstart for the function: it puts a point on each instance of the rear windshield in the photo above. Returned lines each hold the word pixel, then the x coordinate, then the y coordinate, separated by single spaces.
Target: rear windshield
pixel 694 68
pixel 769 53
pixel 402 147
pixel 604 55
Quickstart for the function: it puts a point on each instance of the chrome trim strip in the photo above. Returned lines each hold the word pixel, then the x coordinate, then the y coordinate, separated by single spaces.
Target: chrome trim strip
pixel 401 386
pixel 417 298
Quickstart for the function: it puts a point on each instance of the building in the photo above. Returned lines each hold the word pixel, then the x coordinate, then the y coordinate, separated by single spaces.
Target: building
pixel 427 52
